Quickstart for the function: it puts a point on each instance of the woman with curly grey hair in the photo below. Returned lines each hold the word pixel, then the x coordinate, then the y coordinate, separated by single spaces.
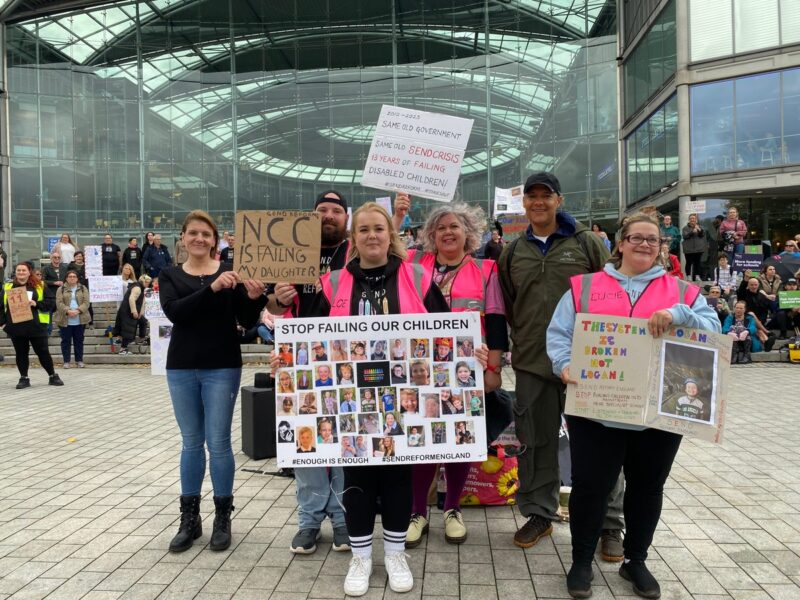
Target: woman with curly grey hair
pixel 450 237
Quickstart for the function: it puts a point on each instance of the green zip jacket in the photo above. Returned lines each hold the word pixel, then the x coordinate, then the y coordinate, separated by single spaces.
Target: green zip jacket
pixel 533 284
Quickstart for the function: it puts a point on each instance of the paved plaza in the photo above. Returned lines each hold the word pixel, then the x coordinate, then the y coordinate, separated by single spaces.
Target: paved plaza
pixel 88 504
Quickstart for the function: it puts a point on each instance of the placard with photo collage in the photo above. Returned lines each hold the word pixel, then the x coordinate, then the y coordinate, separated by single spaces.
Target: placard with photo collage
pixel 380 389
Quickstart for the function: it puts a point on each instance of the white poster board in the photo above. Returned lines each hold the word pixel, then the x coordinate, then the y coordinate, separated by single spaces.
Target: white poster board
pixel 417 152
pixel 676 383
pixel 152 305
pixel 508 201
pixel 106 289
pixel 379 389
pixel 93 256
pixel 160 334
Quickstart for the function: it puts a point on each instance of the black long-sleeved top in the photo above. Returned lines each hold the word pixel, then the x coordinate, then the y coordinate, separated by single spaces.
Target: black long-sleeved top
pixel 204 334
pixel 34 327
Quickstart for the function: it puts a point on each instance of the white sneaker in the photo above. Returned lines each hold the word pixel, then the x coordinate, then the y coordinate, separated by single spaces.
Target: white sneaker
pixel 67 365
pixel 400 577
pixel 357 581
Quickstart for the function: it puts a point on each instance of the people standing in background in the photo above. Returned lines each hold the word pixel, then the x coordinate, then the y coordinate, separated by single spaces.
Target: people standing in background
pixel 3 261
pixel 694 244
pixel 66 248
pixel 732 232
pixel 148 241
pixel 223 243
pixel 712 236
pixel 111 256
pixel 598 231
pixel 32 333
pixel 133 256
pixel 672 235
pixel 128 276
pixel 71 317
pixel 53 276
pixel 130 316
pixel 494 247
pixel 226 255
pixel 156 258
pixel 181 254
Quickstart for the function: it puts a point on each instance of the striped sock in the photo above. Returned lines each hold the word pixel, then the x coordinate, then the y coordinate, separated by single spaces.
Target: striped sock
pixel 362 545
pixel 394 541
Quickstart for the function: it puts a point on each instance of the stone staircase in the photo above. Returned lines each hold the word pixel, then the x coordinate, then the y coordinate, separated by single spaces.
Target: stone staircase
pixel 98 351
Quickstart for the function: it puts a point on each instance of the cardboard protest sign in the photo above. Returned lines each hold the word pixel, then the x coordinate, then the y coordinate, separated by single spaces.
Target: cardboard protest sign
pixel 152 305
pixel 789 299
pixel 93 256
pixel 747 262
pixel 417 152
pixel 379 389
pixel 675 383
pixel 278 245
pixel 508 201
pixel 19 305
pixel 106 289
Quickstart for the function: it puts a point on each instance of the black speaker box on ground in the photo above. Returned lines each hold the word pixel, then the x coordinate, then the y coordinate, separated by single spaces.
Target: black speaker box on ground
pixel 258 422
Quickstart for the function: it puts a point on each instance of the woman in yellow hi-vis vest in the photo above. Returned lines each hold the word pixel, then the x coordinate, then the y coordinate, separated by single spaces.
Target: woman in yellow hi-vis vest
pixel 25 334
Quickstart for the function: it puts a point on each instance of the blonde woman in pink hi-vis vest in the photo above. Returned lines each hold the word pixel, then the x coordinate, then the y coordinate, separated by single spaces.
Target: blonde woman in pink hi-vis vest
pixel 451 236
pixel 632 284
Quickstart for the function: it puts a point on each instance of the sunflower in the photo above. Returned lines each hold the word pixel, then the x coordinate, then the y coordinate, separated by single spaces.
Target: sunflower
pixel 508 484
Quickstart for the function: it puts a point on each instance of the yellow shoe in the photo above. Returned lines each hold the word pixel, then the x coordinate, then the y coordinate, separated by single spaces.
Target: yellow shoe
pixel 455 531
pixel 416 529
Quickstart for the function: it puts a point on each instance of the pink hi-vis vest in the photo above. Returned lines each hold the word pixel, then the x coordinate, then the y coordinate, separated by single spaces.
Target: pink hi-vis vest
pixel 601 294
pixel 412 286
pixel 470 292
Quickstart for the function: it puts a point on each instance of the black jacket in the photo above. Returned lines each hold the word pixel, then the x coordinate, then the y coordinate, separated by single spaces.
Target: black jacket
pixel 33 328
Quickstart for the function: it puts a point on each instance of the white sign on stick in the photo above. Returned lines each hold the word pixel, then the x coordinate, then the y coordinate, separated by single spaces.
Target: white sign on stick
pixel 379 390
pixel 94 261
pixel 508 201
pixel 417 152
pixel 106 289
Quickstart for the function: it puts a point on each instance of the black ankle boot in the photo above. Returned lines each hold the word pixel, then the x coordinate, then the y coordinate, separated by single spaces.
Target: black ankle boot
pixel 644 584
pixel 191 526
pixel 221 536
pixel 579 580
pixel 744 357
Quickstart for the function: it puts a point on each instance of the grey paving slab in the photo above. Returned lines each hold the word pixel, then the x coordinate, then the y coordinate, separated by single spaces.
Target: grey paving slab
pixel 90 481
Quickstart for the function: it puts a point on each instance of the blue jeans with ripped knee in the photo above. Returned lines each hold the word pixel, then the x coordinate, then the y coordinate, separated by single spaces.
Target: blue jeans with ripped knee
pixel 203 401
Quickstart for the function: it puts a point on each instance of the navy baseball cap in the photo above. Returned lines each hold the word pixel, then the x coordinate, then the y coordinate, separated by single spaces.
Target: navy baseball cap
pixel 544 178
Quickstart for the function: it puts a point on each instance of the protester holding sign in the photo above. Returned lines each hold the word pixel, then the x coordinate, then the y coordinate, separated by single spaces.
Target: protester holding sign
pixel 28 330
pixel 450 236
pixel 633 283
pixel 205 300
pixel 318 489
pixel 377 277
pixel 789 316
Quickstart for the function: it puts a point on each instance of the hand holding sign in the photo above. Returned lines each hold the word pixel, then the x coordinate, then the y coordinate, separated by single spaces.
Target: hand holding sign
pixel 19 305
pixel 278 246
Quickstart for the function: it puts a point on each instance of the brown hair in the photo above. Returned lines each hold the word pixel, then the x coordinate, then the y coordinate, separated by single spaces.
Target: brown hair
pixel 616 255
pixel 33 280
pixel 396 246
pixel 201 215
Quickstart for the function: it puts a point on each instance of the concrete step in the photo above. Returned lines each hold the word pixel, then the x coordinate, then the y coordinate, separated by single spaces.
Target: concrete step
pixel 129 359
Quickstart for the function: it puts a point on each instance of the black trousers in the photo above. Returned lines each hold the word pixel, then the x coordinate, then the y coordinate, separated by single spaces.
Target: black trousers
pixel 22 346
pixel 598 453
pixel 364 485
pixel 694 265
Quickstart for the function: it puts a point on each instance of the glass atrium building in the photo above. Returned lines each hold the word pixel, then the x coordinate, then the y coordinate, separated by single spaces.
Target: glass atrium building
pixel 123 116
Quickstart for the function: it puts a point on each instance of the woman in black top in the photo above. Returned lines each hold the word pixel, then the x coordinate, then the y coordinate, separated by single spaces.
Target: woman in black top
pixel 205 300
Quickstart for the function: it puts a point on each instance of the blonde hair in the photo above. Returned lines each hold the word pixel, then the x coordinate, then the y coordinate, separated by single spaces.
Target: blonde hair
pixel 640 217
pixel 472 219
pixel 201 215
pixel 130 268
pixel 396 245
pixel 145 280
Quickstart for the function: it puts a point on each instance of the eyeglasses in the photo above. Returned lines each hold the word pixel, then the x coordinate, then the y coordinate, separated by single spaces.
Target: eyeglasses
pixel 637 240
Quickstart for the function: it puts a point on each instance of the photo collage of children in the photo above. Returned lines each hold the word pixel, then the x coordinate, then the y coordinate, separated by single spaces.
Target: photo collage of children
pixel 368 400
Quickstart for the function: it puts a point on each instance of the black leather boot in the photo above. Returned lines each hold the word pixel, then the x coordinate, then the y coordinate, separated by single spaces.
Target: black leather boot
pixel 744 358
pixel 735 352
pixel 221 536
pixel 191 526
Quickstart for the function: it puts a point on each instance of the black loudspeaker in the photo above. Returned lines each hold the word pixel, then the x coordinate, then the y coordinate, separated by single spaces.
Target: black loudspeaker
pixel 258 422
pixel 263 380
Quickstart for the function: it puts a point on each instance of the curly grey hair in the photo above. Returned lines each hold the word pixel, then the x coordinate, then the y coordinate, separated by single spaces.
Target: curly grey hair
pixel 472 219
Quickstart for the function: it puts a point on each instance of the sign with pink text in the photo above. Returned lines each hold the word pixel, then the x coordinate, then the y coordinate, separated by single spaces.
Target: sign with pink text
pixel 675 383
pixel 386 389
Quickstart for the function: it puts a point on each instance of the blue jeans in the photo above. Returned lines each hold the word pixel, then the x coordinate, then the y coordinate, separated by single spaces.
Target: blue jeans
pixel 737 249
pixel 203 401
pixel 265 334
pixel 319 494
pixel 72 334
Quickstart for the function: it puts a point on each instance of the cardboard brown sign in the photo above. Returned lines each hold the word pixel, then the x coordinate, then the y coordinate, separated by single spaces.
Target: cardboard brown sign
pixel 19 305
pixel 278 245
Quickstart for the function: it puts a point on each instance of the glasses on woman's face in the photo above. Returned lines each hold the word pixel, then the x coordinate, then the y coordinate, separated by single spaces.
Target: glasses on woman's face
pixel 637 240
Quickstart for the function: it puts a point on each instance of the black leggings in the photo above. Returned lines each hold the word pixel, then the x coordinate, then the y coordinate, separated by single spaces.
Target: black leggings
pixel 598 453
pixel 22 346
pixel 693 265
pixel 363 485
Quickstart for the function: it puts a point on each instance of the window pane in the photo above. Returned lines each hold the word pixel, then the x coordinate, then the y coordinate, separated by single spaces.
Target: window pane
pixel 790 21
pixel 711 25
pixel 712 127
pixel 756 24
pixel 758 121
pixel 791 116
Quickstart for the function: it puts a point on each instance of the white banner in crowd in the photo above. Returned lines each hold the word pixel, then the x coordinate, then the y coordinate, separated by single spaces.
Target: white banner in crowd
pixel 508 201
pixel 152 305
pixel 379 389
pixel 106 289
pixel 417 152
pixel 93 256
pixel 160 334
